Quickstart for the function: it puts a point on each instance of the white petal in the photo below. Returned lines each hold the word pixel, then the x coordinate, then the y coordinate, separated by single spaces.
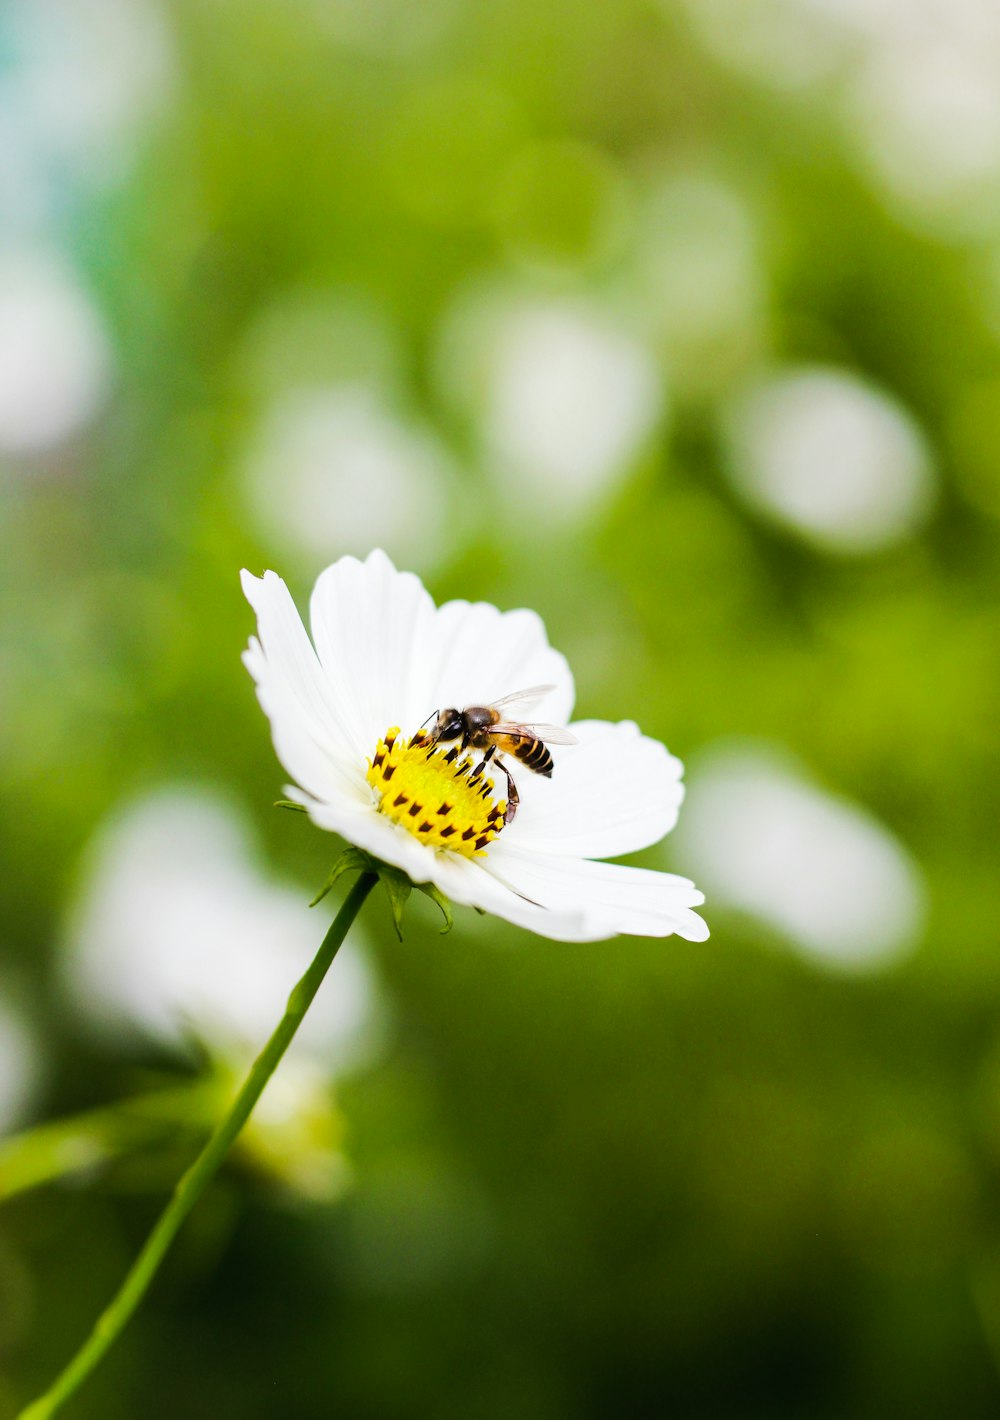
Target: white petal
pixel 615 792
pixel 361 824
pixel 482 654
pixel 373 627
pixel 471 883
pixel 308 720
pixel 463 880
pixel 315 769
pixel 398 659
pixel 612 898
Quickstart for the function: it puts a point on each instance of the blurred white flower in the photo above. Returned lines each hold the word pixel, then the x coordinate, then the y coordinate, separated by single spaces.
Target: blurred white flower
pixel 55 357
pixel 917 82
pixel 332 467
pixel 85 77
pixel 571 402
pixel 175 932
pixel 823 871
pixel 700 283
pixel 564 398
pixel 926 118
pixel 831 456
pixel 347 717
pixel 900 22
pixel 19 1067
pixel 785 44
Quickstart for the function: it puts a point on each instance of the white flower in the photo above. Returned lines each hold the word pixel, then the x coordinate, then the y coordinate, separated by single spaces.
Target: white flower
pixel 222 946
pixel 385 661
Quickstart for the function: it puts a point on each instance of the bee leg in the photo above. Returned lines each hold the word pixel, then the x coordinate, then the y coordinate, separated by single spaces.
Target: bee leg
pixel 483 763
pixel 513 798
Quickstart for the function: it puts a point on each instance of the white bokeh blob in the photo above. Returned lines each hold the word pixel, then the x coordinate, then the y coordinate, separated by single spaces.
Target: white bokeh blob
pixel 700 273
pixel 759 835
pixel 561 394
pixel 831 456
pixel 331 470
pixel 926 119
pixel 87 77
pixel 175 932
pixel 55 355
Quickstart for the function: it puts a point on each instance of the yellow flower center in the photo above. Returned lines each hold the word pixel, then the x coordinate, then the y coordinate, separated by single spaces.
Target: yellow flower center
pixel 443 800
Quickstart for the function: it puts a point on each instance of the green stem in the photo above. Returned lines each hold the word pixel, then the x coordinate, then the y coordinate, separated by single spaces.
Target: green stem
pixel 190 1187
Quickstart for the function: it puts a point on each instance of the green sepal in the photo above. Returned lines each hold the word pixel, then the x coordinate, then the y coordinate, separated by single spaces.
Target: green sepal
pixel 290 804
pixel 437 896
pixel 397 886
pixel 352 860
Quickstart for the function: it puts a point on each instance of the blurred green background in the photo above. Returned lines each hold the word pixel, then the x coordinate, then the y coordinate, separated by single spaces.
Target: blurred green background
pixel 679 322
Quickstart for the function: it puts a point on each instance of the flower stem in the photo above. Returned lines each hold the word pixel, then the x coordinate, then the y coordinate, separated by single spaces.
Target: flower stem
pixel 191 1185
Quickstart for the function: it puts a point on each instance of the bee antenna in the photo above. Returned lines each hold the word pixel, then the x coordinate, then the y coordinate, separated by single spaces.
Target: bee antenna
pixel 432 716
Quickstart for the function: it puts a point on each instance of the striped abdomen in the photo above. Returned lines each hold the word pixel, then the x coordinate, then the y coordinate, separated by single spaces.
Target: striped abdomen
pixel 533 754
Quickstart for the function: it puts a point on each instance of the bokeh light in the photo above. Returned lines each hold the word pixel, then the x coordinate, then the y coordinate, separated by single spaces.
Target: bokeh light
pixel 334 468
pixel 820 869
pixel 830 456
pixel 88 77
pixel 175 933
pixel 563 397
pixel 785 44
pixel 701 287
pixel 55 355
pixel 926 118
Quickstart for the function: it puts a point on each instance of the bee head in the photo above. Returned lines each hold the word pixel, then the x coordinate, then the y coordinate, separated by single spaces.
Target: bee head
pixel 449 725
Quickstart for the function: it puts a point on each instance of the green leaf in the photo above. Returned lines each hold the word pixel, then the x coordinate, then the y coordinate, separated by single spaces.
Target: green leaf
pixel 290 804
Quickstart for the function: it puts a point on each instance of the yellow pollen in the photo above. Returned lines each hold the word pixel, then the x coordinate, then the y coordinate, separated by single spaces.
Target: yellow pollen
pixel 442 798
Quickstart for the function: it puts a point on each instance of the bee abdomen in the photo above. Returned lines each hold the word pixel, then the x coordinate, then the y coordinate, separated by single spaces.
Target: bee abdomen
pixel 535 755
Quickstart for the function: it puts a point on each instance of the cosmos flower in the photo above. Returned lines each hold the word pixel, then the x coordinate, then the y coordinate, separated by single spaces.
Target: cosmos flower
pixel 350 724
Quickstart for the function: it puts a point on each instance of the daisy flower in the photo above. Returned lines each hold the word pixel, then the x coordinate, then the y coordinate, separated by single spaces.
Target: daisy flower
pixel 353 713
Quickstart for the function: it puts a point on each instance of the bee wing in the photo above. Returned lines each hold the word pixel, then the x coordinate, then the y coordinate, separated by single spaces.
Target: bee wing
pixel 523 699
pixel 554 734
pixel 551 734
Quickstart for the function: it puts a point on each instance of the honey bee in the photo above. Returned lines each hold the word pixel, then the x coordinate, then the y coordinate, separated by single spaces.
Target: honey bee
pixel 487 727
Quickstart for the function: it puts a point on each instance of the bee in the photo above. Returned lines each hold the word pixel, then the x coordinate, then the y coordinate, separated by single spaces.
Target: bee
pixel 487 727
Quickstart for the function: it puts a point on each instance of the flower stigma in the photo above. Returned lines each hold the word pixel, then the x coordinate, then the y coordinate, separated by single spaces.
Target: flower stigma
pixel 438 797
